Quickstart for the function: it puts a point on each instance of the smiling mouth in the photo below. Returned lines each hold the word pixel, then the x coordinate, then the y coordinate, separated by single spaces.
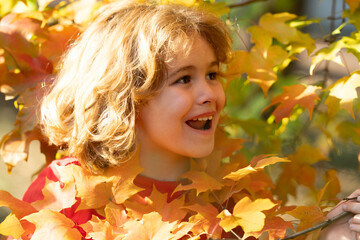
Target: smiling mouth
pixel 200 123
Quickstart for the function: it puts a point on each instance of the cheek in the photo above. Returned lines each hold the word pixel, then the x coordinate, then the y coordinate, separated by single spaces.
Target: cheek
pixel 221 99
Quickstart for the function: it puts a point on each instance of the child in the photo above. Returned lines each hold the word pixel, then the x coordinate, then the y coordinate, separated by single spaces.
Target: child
pixel 141 78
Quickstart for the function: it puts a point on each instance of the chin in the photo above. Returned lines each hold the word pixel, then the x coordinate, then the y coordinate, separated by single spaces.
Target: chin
pixel 201 153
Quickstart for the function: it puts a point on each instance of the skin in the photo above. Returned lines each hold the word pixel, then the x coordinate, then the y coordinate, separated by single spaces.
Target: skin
pixel 192 90
pixel 347 228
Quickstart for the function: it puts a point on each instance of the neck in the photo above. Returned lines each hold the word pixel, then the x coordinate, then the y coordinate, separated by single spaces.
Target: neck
pixel 160 165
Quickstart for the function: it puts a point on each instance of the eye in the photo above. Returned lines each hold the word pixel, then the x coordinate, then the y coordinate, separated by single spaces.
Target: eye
pixel 184 79
pixel 212 76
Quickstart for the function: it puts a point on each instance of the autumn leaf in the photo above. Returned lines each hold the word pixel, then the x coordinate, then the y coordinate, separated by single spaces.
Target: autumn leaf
pixel 344 89
pixel 262 161
pixel 205 219
pixel 150 227
pixel 53 225
pixel 11 226
pixel 307 154
pixel 157 202
pixel 102 230
pixel 293 95
pixel 19 208
pixel 257 163
pixel 201 182
pixel 308 216
pixel 275 226
pixel 247 214
pixel 331 188
pixel 115 184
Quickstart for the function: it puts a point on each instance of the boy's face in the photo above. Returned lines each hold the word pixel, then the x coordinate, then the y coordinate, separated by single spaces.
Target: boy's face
pixel 182 118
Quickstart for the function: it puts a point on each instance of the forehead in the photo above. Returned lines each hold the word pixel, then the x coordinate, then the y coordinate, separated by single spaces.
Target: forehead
pixel 190 51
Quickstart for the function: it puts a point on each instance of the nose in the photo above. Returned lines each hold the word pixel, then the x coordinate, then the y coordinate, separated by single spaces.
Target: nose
pixel 206 92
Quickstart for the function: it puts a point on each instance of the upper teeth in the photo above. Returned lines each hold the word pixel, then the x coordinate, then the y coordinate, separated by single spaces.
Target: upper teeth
pixel 203 119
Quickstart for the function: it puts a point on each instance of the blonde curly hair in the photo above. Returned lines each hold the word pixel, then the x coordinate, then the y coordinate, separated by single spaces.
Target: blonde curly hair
pixel 115 66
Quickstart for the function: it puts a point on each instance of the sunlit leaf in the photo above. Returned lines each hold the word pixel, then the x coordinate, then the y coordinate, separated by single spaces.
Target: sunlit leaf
pixel 344 89
pixel 11 226
pixel 293 95
pixel 201 181
pixel 247 214
pixel 53 225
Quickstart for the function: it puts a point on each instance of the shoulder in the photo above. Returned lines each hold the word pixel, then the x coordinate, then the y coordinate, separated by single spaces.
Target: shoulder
pixel 34 192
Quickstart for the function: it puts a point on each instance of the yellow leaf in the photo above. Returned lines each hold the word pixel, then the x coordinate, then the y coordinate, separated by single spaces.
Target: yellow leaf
pixel 239 174
pixel 11 226
pixel 345 90
pixel 201 181
pixel 262 161
pixel 247 214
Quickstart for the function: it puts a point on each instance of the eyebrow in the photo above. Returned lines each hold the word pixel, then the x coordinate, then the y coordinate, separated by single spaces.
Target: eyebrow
pixel 190 67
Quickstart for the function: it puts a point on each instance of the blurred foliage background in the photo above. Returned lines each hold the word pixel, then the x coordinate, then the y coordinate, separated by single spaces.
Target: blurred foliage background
pixel 251 112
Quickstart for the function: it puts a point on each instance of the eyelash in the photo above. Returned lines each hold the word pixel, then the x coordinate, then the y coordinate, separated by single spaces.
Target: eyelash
pixel 186 79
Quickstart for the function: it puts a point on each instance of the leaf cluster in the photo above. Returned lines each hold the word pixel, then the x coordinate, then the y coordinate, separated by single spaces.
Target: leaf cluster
pixel 271 110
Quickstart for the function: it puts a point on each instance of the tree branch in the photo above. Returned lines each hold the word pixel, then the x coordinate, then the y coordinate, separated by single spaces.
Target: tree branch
pixel 320 225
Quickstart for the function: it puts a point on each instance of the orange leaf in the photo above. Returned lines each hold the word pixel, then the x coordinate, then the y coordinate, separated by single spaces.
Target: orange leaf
pixel 308 216
pixel 150 227
pixel 293 95
pixel 115 184
pixel 53 225
pixel 19 208
pixel 275 226
pixel 56 197
pixel 205 220
pixel 157 202
pixel 201 181
pixel 331 188
pixel 307 154
pixel 102 230
pixel 226 144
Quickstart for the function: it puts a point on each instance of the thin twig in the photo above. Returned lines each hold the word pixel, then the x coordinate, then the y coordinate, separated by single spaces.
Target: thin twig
pixel 244 3
pixel 320 225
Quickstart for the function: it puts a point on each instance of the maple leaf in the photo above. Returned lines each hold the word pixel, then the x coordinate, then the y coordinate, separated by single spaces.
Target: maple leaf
pixel 201 182
pixel 344 89
pixel 115 214
pixel 260 162
pixel 53 225
pixel 275 226
pixel 247 214
pixel 293 95
pixel 19 208
pixel 331 188
pixel 308 216
pixel 11 226
pixel 102 230
pixel 150 227
pixel 115 184
pixel 226 144
pixel 156 202
pixel 307 154
pixel 56 197
pixel 205 219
